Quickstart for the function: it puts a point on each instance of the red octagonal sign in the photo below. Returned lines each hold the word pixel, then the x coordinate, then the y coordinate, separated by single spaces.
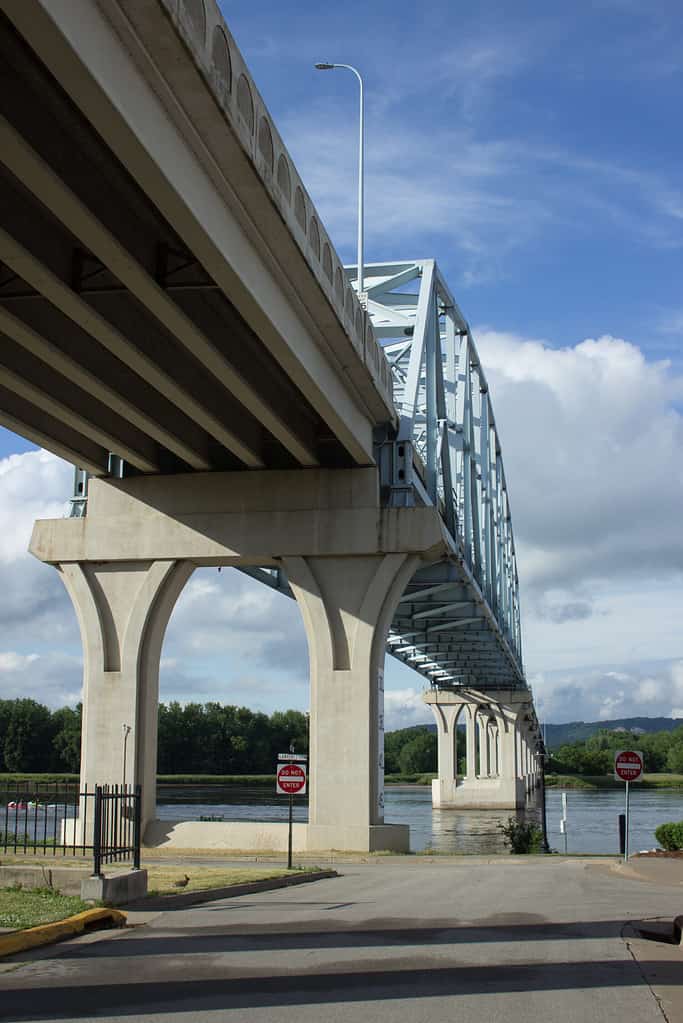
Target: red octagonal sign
pixel 628 765
pixel 291 779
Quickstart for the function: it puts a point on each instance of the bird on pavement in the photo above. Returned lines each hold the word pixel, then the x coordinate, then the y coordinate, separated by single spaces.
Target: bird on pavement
pixel 182 883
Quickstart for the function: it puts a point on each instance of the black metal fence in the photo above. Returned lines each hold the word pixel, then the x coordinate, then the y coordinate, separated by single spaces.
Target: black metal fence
pixel 60 819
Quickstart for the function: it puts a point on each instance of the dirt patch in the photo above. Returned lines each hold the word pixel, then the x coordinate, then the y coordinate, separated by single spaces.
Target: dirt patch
pixel 662 854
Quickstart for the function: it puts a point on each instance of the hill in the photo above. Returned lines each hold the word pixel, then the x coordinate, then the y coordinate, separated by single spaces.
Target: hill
pixel 575 731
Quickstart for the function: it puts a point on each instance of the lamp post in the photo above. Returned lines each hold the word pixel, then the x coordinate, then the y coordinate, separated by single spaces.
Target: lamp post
pixel 126 733
pixel 349 67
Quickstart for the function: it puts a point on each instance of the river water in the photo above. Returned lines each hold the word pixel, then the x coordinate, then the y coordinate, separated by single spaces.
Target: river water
pixel 592 815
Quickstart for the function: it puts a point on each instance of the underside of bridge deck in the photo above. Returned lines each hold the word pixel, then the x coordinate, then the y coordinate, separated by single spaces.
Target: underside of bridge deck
pixel 115 336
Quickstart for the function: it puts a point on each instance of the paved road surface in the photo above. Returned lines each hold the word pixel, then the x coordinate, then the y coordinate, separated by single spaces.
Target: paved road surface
pixel 389 942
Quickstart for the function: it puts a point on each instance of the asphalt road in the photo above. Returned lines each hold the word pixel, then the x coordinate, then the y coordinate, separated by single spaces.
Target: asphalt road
pixel 389 941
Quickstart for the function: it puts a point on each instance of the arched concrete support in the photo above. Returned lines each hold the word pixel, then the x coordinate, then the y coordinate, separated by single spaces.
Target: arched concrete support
pixel 347 604
pixel 484 750
pixel 447 716
pixel 123 609
pixel 502 778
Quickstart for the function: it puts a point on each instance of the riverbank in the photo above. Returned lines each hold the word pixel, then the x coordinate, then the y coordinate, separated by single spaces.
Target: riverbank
pixel 564 781
pixel 608 781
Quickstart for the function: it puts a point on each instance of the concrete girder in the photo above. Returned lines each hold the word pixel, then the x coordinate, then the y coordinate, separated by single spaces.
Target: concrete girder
pixel 98 326
pixel 28 167
pixel 99 374
pixel 32 380
pixel 37 425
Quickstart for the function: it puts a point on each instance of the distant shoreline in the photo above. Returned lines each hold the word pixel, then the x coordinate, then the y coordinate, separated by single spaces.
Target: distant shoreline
pixel 407 781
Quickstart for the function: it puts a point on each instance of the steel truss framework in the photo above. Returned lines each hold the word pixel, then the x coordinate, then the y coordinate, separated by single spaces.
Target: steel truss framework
pixel 459 622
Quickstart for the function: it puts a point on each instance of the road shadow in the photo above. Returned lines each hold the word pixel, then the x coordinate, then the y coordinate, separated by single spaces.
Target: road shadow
pixel 336 934
pixel 372 983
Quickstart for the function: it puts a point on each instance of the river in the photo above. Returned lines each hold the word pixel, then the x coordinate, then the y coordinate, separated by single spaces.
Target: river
pixel 592 816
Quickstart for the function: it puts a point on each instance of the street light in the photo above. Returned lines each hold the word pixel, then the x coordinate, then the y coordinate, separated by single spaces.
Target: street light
pixel 349 67
pixel 126 733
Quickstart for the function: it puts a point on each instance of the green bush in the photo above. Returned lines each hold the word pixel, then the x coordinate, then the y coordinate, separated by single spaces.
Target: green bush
pixel 670 835
pixel 522 836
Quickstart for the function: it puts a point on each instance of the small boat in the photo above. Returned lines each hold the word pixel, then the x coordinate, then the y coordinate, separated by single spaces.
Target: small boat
pixel 17 805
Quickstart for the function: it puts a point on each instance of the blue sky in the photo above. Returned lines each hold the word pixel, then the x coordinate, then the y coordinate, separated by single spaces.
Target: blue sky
pixel 535 151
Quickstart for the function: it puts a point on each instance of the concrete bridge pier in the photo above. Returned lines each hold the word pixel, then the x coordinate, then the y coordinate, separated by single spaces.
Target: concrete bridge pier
pixel 347 605
pixel 123 609
pixel 500 771
pixel 348 562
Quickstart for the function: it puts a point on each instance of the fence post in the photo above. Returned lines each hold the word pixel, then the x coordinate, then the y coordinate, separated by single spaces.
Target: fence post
pixel 97 833
pixel 137 818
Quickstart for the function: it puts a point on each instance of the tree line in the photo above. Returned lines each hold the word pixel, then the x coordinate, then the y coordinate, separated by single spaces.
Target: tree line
pixel 662 752
pixel 214 738
pixel 208 738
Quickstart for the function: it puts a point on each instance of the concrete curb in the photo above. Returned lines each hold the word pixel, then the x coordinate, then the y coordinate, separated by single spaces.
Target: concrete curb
pixel 45 934
pixel 229 891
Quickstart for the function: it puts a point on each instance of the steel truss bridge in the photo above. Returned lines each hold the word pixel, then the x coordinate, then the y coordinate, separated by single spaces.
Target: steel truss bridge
pixel 131 340
pixel 458 623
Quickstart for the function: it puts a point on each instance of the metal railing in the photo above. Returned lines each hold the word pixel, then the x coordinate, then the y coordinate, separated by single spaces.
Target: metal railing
pixel 56 818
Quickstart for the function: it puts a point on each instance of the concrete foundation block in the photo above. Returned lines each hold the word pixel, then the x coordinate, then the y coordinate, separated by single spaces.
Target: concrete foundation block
pixel 477 794
pixel 117 889
pixel 66 880
pixel 376 838
pixel 255 836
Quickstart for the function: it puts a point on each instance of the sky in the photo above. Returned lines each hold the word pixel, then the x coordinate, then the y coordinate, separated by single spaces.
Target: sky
pixel 534 150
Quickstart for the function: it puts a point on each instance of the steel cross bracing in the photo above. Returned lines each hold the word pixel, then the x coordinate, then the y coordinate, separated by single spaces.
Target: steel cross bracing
pixel 459 621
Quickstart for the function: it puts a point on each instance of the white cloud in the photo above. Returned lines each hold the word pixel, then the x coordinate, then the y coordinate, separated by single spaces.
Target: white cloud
pixel 591 439
pixel 591 442
pixel 11 661
pixel 404 707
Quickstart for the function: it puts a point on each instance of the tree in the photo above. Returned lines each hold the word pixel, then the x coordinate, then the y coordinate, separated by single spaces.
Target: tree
pixel 419 755
pixel 66 744
pixel 28 741
pixel 674 760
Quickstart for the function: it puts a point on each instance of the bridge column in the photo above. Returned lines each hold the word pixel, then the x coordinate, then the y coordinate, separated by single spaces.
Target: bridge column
pixel 500 784
pixel 446 716
pixel 484 750
pixel 471 741
pixel 347 604
pixel 123 609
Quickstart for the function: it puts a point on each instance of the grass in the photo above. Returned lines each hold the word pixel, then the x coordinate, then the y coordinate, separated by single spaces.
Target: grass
pixel 160 880
pixel 29 907
pixel 216 779
pixel 409 779
pixel 61 779
pixel 608 781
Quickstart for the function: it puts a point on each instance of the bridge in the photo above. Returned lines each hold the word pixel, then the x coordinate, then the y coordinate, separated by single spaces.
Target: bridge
pixel 176 322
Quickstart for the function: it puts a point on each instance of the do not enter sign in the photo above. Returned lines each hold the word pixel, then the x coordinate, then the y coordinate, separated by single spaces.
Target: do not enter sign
pixel 291 779
pixel 628 765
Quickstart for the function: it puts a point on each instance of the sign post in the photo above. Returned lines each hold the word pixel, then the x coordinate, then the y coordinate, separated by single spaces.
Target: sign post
pixel 629 765
pixel 291 781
